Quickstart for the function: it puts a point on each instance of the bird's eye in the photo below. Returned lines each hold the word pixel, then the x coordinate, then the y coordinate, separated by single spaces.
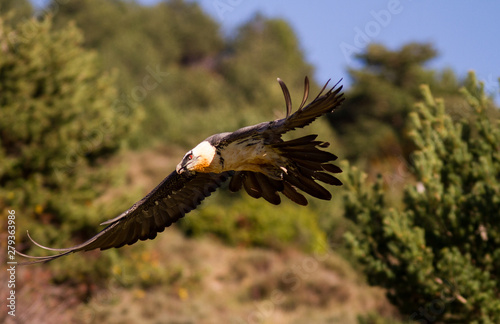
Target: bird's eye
pixel 190 156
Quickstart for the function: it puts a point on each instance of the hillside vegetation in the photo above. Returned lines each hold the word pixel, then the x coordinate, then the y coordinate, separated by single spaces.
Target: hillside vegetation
pixel 100 99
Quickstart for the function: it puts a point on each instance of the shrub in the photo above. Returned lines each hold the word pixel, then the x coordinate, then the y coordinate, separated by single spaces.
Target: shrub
pixel 439 255
pixel 250 222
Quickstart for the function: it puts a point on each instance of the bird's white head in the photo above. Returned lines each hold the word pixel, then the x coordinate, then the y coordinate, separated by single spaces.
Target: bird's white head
pixel 199 159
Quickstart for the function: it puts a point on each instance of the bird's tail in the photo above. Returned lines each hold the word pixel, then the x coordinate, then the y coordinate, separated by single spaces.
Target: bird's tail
pixel 306 164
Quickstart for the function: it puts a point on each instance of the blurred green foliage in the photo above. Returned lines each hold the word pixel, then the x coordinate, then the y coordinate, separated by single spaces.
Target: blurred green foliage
pixel 439 255
pixel 208 77
pixel 245 221
pixel 14 11
pixel 383 93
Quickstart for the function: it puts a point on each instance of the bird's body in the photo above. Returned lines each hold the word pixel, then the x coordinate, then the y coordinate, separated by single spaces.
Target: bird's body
pixel 256 158
pixel 249 154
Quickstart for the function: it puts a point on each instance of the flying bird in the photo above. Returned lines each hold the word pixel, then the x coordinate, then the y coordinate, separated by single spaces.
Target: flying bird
pixel 255 158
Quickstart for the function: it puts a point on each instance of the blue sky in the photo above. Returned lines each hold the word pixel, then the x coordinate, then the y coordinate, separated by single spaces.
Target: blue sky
pixel 466 33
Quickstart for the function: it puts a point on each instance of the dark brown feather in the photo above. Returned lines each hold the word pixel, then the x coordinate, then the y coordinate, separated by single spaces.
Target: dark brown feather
pixel 291 193
pixel 319 156
pixel 236 182
pixel 269 188
pixel 331 168
pixel 296 142
pixel 309 186
pixel 320 176
pixel 315 166
pixel 288 98
pixel 252 186
pixel 306 92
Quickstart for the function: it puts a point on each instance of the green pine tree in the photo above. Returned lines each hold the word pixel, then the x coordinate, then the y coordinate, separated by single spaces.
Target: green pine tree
pixel 384 90
pixel 439 254
pixel 60 119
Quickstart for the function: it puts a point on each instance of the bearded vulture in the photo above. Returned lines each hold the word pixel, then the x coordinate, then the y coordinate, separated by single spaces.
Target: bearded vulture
pixel 256 158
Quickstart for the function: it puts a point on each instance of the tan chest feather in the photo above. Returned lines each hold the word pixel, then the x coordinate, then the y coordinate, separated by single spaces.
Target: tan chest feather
pixel 249 156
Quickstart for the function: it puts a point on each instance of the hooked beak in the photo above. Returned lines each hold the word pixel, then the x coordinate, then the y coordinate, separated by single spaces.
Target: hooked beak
pixel 180 168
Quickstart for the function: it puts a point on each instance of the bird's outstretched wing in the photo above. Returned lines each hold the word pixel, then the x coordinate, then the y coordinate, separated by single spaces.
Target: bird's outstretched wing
pixel 323 103
pixel 175 196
